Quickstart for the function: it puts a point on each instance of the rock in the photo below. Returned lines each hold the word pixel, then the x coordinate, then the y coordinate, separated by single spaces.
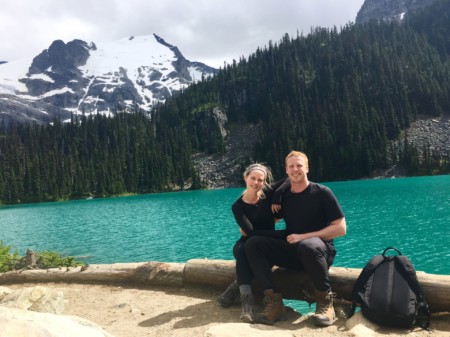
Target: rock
pixel 41 299
pixel 359 326
pixel 246 330
pixel 389 10
pixel 4 291
pixel 126 307
pixel 20 323
pixel 30 259
pixel 429 136
pixel 225 171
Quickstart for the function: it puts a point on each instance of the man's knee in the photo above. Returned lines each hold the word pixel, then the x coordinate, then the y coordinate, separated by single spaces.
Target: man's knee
pixel 314 249
pixel 311 247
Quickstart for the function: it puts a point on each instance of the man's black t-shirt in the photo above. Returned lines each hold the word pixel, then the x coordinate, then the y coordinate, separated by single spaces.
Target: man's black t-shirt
pixel 310 210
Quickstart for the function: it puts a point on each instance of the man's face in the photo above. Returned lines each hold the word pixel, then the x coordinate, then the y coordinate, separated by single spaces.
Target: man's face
pixel 296 169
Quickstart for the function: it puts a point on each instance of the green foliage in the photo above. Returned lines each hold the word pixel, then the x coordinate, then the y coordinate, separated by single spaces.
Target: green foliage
pixel 48 259
pixel 8 260
pixel 93 157
pixel 44 260
pixel 340 96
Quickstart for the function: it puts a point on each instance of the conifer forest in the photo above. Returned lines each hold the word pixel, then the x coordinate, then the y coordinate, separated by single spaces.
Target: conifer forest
pixel 338 94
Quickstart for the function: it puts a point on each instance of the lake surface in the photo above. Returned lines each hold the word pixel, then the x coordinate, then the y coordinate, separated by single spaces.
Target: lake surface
pixel 411 214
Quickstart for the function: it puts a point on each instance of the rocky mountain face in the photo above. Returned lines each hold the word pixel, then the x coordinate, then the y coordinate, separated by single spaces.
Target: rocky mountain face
pixel 389 10
pixel 82 78
pixel 225 171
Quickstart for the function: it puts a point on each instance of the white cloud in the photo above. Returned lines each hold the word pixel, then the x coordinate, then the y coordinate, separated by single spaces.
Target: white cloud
pixel 209 31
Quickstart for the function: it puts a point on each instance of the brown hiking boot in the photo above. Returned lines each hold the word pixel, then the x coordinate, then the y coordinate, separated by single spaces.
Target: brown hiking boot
pixel 324 315
pixel 247 308
pixel 273 308
pixel 227 298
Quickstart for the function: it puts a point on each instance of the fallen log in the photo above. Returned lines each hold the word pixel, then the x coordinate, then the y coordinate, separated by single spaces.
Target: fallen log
pixel 218 274
pixel 154 273
pixel 298 286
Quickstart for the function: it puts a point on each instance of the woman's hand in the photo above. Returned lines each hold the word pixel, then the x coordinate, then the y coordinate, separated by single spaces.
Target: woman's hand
pixel 275 208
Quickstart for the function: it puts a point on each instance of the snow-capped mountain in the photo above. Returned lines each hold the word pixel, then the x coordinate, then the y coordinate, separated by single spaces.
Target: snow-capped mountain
pixel 389 10
pixel 83 78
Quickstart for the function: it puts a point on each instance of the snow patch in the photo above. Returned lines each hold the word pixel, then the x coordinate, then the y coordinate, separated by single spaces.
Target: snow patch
pixel 42 77
pixel 11 72
pixel 57 92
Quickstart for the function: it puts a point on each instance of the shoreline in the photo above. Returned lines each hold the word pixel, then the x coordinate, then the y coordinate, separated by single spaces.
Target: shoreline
pixel 217 274
pixel 393 172
pixel 179 300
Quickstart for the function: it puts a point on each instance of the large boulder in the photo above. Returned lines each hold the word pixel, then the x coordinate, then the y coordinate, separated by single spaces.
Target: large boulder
pixel 20 323
pixel 41 299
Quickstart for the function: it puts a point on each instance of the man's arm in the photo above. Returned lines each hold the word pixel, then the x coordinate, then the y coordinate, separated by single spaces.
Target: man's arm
pixel 335 229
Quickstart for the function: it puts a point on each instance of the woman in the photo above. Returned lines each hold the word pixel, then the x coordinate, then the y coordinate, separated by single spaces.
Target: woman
pixel 253 213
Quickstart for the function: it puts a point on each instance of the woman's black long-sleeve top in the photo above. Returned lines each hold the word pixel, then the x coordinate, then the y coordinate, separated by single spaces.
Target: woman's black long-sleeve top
pixel 257 219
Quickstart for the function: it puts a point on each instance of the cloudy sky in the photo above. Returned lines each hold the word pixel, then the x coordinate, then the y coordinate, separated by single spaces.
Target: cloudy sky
pixel 209 31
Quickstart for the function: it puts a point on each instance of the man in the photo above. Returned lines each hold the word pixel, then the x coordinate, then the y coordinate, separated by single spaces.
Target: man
pixel 313 219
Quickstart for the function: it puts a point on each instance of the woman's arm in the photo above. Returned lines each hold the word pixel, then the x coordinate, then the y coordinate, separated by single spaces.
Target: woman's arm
pixel 276 234
pixel 279 188
pixel 244 224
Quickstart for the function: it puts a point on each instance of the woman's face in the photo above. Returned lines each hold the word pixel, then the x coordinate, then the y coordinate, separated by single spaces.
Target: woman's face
pixel 255 181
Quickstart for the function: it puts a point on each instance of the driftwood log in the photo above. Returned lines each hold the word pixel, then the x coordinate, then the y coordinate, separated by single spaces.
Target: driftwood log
pixel 218 274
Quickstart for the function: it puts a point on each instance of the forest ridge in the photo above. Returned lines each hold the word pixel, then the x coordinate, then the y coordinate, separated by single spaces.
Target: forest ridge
pixel 339 95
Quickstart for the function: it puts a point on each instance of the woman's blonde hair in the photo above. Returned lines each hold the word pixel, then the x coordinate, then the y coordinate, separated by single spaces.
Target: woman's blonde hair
pixel 268 178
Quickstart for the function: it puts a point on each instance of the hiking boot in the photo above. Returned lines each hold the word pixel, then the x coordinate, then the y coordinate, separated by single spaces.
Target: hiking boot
pixel 273 308
pixel 247 308
pixel 324 315
pixel 227 298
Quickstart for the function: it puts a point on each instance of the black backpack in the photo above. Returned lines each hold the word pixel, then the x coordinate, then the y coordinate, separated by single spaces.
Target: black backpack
pixel 389 294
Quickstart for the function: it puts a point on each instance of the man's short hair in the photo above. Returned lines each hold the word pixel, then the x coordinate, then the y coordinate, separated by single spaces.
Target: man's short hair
pixel 297 154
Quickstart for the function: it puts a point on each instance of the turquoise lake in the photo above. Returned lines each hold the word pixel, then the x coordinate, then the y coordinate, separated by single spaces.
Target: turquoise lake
pixel 411 214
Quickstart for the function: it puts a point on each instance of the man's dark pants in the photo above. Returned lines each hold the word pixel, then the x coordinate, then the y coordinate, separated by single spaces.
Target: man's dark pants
pixel 312 256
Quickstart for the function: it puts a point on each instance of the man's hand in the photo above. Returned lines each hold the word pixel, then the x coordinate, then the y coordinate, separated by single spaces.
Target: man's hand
pixel 242 232
pixel 336 228
pixel 295 238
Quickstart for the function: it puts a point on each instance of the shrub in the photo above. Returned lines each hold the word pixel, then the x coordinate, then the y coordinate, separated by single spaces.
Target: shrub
pixel 8 260
pixel 44 260
pixel 47 259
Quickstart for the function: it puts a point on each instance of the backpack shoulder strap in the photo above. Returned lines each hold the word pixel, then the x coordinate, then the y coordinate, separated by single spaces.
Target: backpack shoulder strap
pixel 366 272
pixel 363 277
pixel 407 269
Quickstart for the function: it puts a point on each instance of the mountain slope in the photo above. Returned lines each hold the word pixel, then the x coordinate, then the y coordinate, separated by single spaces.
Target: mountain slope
pixel 83 78
pixel 368 100
pixel 389 10
pixel 342 97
